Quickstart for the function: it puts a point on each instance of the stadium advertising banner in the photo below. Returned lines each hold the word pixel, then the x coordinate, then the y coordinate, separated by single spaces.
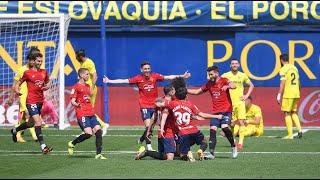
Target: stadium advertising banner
pixel 175 13
pixel 178 50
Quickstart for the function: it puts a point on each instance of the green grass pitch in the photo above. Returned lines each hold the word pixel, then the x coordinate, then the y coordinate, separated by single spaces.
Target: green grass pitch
pixel 264 157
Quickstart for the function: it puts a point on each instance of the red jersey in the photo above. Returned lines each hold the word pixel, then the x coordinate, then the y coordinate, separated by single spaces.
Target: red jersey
pixel 221 101
pixel 36 80
pixel 183 110
pixel 82 94
pixel 148 89
pixel 169 127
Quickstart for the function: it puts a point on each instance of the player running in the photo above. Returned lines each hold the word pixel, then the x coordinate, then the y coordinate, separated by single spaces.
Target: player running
pixel 80 98
pixel 37 80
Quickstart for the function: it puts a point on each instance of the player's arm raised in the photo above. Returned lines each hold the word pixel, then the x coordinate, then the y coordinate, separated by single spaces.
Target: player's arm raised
pixel 186 75
pixel 230 85
pixel 209 116
pixel 195 91
pixel 115 81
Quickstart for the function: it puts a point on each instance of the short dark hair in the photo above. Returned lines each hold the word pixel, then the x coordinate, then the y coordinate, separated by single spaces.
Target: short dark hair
pixel 213 68
pixel 181 93
pixel 145 63
pixel 178 83
pixel 234 59
pixel 80 53
pixel 33 55
pixel 167 89
pixel 284 57
pixel 82 70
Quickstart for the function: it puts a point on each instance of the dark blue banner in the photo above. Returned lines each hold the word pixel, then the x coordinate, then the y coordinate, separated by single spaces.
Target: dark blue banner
pixel 175 13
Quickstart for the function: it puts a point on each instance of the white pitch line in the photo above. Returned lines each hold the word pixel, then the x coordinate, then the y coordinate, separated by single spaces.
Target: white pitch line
pixel 133 152
pixel 303 131
pixel 108 135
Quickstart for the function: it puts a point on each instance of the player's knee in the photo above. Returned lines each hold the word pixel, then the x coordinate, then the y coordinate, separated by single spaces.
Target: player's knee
pixel 214 128
pixel 170 156
pixel 98 132
pixel 287 113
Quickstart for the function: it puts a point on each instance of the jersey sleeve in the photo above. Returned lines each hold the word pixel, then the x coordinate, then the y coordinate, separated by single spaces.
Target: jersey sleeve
pixel 195 109
pixel 19 74
pixel 205 87
pixel 46 80
pixel 224 75
pixel 246 79
pixel 282 74
pixel 159 77
pixel 91 67
pixel 73 93
pixel 24 77
pixel 134 79
pixel 257 112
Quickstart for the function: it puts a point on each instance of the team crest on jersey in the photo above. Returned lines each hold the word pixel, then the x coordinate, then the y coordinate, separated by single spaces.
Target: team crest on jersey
pixel 216 94
pixel 148 87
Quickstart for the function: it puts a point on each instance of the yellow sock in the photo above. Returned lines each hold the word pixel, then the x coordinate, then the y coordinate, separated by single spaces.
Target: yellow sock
pixel 296 121
pixel 19 135
pixel 33 133
pixel 288 120
pixel 100 121
pixel 236 130
pixel 242 132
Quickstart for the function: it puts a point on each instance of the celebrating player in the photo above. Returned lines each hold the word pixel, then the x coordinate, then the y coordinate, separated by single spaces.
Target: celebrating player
pixel 80 98
pixel 89 64
pixel 185 112
pixel 37 80
pixel 23 98
pixel 166 132
pixel 148 92
pixel 221 104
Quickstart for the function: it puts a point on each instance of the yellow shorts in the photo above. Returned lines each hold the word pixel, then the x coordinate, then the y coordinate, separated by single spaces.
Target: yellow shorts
pixel 238 111
pixel 94 95
pixel 259 132
pixel 253 130
pixel 23 103
pixel 289 104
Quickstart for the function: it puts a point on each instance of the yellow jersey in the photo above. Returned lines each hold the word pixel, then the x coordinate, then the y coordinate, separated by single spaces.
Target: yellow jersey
pixel 18 76
pixel 252 112
pixel 89 64
pixel 238 79
pixel 290 74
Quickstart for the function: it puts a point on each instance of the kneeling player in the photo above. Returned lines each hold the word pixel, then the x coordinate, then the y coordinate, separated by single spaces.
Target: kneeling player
pixel 185 112
pixel 80 98
pixel 166 141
